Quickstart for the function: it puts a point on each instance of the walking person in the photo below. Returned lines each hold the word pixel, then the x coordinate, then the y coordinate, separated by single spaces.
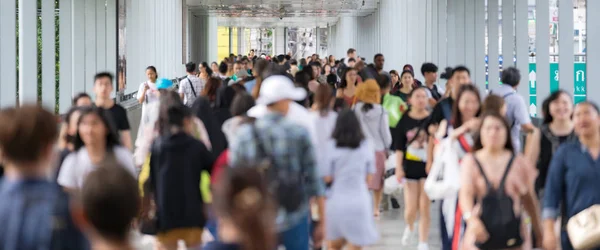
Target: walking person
pixel 375 126
pixel 350 166
pixel 572 180
pixel 496 189
pixel 245 211
pixel 190 87
pixel 288 145
pixel 34 211
pixel 103 87
pixel 556 129
pixel 96 140
pixel 465 119
pixel 177 160
pixel 107 206
pixel 411 155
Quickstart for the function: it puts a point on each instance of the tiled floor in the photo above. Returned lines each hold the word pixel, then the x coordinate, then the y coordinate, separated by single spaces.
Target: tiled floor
pixel 390 226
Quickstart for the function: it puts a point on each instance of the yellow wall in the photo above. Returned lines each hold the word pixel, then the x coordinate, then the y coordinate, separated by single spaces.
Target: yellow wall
pixel 223 42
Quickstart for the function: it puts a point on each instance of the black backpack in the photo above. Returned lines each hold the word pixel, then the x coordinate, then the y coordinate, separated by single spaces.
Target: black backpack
pixel 498 215
pixel 286 187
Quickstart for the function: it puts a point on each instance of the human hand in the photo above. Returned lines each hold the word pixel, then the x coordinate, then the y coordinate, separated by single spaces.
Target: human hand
pixel 473 124
pixel 400 174
pixel 146 86
pixel 476 227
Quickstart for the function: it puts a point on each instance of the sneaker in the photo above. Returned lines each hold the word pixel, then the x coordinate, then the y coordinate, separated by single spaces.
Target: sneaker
pixel 406 236
pixel 423 246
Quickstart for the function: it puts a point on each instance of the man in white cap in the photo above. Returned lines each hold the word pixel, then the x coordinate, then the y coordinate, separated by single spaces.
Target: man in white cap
pixel 288 148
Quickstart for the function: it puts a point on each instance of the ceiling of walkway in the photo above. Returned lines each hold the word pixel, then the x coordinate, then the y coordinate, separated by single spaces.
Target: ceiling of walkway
pixel 278 13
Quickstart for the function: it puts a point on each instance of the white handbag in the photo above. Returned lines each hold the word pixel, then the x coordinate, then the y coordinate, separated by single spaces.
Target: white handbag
pixel 443 181
pixel 584 228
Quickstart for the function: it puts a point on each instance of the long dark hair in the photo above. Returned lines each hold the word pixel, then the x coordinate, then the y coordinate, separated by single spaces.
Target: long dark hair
pixel 208 69
pixel 347 132
pixel 344 82
pixel 508 145
pixel 211 87
pixel 323 97
pixel 546 105
pixel 456 113
pixel 243 197
pixel 112 135
pixel 172 112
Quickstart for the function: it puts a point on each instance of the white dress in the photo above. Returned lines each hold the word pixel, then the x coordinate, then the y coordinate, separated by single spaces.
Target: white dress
pixel 348 209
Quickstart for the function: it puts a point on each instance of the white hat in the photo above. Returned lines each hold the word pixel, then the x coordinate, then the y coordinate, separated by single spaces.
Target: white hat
pixel 277 88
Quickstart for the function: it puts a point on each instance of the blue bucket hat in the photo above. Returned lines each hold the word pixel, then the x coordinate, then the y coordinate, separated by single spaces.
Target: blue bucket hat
pixel 164 83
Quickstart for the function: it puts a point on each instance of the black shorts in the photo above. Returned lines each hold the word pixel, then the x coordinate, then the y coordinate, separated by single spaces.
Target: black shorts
pixel 414 171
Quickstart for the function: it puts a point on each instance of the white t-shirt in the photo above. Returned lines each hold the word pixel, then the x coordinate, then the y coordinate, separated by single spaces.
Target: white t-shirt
pixel 78 165
pixel 151 93
pixel 185 88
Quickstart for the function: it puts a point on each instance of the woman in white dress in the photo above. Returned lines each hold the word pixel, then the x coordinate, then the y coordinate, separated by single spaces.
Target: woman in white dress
pixel 350 165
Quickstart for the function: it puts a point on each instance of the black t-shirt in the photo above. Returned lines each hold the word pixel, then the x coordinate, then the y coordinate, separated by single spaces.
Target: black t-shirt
pixel 545 158
pixel 437 115
pixel 119 117
pixel 414 148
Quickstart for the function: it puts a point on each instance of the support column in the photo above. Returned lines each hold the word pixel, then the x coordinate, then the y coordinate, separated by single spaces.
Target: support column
pixel 459 38
pixel 565 46
pixel 48 56
pixel 8 53
pixel 522 50
pixel 347 33
pixel 211 34
pixel 469 46
pixel 493 47
pixel 27 51
pixel 479 75
pixel 443 33
pixel 593 48
pixel 542 45
pixel 508 39
pixel 65 26
pixel 279 41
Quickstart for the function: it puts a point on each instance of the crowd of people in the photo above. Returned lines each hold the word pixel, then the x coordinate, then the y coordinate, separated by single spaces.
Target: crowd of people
pixel 256 153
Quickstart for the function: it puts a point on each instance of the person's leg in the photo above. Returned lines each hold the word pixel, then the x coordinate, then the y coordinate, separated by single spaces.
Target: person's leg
pixel 424 214
pixel 377 201
pixel 297 237
pixel 167 241
pixel 411 202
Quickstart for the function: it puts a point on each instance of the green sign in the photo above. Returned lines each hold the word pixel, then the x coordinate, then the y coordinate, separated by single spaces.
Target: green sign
pixel 580 82
pixel 579 88
pixel 532 90
pixel 554 78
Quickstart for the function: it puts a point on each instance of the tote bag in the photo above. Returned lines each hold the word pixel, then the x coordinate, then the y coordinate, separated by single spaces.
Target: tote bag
pixel 443 180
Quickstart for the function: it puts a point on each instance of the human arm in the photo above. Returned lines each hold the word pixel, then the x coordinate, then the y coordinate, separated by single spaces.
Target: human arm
pixel 142 92
pixel 469 126
pixel 384 128
pixel 62 141
pixel 521 116
pixel 553 196
pixel 466 197
pixel 532 146
pixel 529 198
pixel 126 138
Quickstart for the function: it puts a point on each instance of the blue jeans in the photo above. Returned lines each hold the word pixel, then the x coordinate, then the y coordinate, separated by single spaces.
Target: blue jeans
pixel 297 237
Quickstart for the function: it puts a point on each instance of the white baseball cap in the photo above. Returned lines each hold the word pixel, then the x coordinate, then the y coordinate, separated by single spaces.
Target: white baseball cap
pixel 277 88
